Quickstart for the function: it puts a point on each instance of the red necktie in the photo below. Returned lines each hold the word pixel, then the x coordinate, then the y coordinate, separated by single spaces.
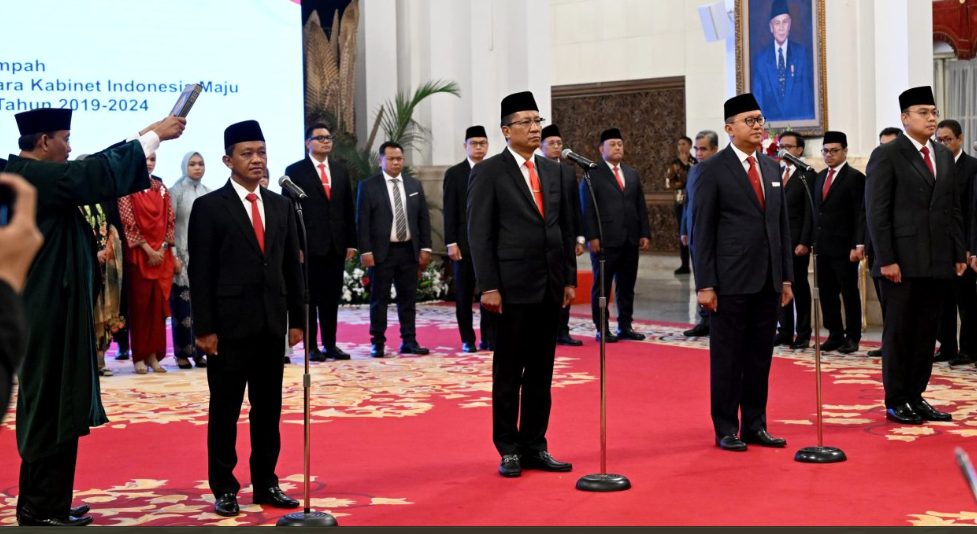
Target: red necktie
pixel 259 229
pixel 325 180
pixel 827 184
pixel 755 180
pixel 620 181
pixel 926 157
pixel 786 175
pixel 535 186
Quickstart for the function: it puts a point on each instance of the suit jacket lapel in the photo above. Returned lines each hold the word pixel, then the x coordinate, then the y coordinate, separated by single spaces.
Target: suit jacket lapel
pixel 915 159
pixel 236 208
pixel 386 194
pixel 515 173
pixel 272 217
pixel 740 176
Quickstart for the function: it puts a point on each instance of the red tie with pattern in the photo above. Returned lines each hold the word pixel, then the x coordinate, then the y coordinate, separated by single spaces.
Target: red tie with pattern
pixel 534 185
pixel 755 181
pixel 827 184
pixel 259 229
pixel 786 175
pixel 325 180
pixel 929 164
pixel 620 181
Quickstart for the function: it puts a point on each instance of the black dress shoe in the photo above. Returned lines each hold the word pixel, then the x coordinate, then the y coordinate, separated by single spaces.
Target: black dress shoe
pixel 411 347
pixel 875 353
pixel 566 339
pixel 275 497
pixel 336 353
pixel 26 520
pixel 783 340
pixel 762 438
pixel 485 346
pixel 629 333
pixel 944 355
pixel 286 360
pixel 122 355
pixel 376 350
pixel 682 270
pixel 542 460
pixel 468 347
pixel 699 330
pixel 730 443
pixel 611 338
pixel 226 505
pixel 181 365
pixel 848 347
pixel 510 466
pixel 832 344
pixel 79 511
pixel 316 355
pixel 800 344
pixel 200 362
pixel 903 413
pixel 929 413
pixel 963 358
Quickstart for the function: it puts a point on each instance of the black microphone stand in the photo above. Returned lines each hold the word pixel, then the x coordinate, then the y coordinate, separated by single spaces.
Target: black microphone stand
pixel 819 454
pixel 306 518
pixel 601 482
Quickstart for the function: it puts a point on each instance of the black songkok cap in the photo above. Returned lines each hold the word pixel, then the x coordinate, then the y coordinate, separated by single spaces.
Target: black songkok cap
pixel 242 132
pixel 475 131
pixel 550 131
pixel 43 120
pixel 835 137
pixel 517 102
pixel 917 96
pixel 778 8
pixel 740 104
pixel 610 133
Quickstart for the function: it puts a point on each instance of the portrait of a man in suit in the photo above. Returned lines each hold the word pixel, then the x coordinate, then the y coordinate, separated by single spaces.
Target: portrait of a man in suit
pixel 782 67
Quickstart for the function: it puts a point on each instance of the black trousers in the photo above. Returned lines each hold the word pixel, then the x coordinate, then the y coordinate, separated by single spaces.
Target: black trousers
pixel 961 295
pixel 399 269
pixel 621 264
pixel 683 249
pixel 464 293
pixel 740 352
pixel 563 327
pixel 522 373
pixel 913 309
pixel 46 484
pixel 325 290
pixel 256 363
pixel 838 279
pixel 801 303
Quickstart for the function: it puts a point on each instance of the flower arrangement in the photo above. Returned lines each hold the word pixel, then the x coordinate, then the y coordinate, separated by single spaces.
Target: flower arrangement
pixel 432 283
pixel 771 141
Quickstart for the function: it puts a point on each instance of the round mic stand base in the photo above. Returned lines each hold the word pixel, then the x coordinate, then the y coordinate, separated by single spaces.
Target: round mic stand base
pixel 308 519
pixel 820 455
pixel 603 483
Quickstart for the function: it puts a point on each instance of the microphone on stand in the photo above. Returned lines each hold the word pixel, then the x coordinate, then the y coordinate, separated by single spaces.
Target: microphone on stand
pixel 578 159
pixel 797 162
pixel 296 191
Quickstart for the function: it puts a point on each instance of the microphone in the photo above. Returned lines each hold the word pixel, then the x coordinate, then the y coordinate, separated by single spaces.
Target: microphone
pixel 295 190
pixel 578 159
pixel 783 154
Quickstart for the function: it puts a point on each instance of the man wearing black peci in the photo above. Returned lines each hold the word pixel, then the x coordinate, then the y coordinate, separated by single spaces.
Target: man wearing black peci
pixel 521 233
pixel 551 145
pixel 838 204
pixel 245 286
pixel 801 221
pixel 456 237
pixel 744 269
pixel 330 221
pixel 915 222
pixel 394 234
pixel 624 217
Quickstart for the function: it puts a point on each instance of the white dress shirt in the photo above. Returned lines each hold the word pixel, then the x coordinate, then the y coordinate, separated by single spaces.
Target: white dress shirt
pixel 242 193
pixel 316 163
pixel 932 148
pixel 149 141
pixel 776 55
pixel 619 170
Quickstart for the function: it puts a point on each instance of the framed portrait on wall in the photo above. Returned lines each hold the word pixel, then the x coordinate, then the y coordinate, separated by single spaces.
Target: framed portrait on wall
pixel 780 59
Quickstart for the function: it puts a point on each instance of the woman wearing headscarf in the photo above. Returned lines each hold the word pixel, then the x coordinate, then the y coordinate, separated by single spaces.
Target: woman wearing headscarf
pixel 182 195
pixel 149 223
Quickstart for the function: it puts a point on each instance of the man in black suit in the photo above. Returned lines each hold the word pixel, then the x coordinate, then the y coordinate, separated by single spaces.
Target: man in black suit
pixel 246 291
pixel 521 231
pixel 914 217
pixel 551 145
pixel 331 225
pixel 456 236
pixel 839 193
pixel 801 222
pixel 963 290
pixel 394 235
pixel 743 273
pixel 624 217
pixel 706 146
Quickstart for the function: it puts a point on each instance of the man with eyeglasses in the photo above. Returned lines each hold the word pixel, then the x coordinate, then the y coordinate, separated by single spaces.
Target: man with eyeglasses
pixel 520 226
pixel 456 236
pixel 782 71
pixel 963 290
pixel 624 218
pixel 551 146
pixel 839 194
pixel 743 273
pixel 801 221
pixel 914 217
pixel 706 146
pixel 330 221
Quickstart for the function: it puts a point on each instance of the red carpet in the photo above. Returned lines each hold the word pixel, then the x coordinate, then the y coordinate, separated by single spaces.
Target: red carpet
pixel 407 441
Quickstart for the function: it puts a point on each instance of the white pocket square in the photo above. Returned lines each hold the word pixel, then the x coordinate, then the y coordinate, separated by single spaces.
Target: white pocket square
pixel 775 184
pixel 415 194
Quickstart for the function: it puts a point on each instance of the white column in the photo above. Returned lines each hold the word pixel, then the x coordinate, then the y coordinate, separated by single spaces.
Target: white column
pixel 376 64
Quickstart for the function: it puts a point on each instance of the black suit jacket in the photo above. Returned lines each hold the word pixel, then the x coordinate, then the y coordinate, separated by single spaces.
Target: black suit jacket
pixel 799 214
pixel 572 190
pixel 236 291
pixel 914 220
pixel 514 250
pixel 738 247
pixel 840 226
pixel 330 222
pixel 623 214
pixel 966 174
pixel 453 206
pixel 375 216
